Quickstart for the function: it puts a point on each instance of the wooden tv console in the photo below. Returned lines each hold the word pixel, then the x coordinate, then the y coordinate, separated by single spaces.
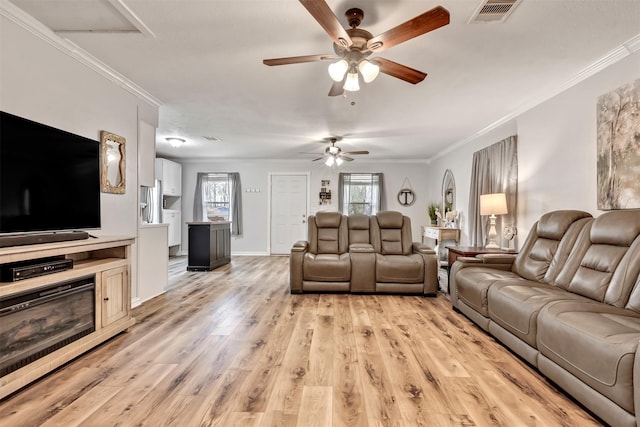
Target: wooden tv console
pixel 109 259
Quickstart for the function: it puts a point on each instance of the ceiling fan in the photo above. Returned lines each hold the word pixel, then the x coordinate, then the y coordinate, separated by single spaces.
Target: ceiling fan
pixel 334 155
pixel 352 46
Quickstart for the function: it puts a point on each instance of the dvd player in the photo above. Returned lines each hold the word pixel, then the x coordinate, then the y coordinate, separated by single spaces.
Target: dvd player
pixel 33 268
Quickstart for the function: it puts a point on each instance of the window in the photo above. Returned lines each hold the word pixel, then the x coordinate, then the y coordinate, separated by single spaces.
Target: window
pixel 218 197
pixel 360 193
pixel 216 203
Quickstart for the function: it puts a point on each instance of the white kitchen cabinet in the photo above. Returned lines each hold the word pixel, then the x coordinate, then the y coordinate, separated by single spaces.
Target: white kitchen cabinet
pixel 171 175
pixel 146 154
pixel 174 219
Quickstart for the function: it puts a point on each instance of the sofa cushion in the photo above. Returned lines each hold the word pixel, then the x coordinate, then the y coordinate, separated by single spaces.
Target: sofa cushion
pixel 358 229
pixel 548 245
pixel 390 219
pixel 595 342
pixel 515 304
pixel 474 282
pixel 326 267
pixel 399 268
pixel 328 219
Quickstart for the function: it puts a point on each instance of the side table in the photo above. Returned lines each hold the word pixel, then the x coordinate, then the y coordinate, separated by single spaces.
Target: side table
pixel 470 251
pixel 440 234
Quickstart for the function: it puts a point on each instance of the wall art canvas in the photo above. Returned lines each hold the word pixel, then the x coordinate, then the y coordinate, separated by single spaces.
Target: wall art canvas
pixel 618 121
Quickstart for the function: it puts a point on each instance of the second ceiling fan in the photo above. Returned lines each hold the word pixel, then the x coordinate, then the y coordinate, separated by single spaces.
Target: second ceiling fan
pixel 352 46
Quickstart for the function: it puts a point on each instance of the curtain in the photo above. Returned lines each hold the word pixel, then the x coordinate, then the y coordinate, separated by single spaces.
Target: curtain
pixel 494 170
pixel 374 180
pixel 235 202
pixel 197 197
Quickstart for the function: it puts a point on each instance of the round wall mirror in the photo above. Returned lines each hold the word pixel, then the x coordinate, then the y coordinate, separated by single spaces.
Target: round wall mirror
pixel 448 192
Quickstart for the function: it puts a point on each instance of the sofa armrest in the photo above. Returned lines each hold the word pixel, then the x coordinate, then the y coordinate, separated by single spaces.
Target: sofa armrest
pixel 363 267
pixel 361 248
pixel 497 258
pixel 300 246
pixel 295 265
pixel 421 248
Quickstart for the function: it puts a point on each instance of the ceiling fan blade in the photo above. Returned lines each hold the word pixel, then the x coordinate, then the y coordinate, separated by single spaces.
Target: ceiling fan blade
pixel 322 13
pixel 319 158
pixel 298 59
pixel 421 24
pixel 354 153
pixel 400 71
pixel 336 90
pixel 348 159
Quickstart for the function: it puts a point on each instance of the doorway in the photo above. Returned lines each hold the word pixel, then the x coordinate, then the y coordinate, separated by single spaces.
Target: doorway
pixel 289 209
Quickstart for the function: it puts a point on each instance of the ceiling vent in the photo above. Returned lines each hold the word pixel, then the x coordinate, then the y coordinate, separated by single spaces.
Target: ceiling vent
pixel 494 10
pixel 212 138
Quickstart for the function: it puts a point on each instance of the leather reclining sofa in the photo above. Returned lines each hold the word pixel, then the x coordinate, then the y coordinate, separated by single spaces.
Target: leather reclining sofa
pixel 569 304
pixel 363 254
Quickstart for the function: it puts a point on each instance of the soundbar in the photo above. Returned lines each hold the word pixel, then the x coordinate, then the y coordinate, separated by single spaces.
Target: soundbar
pixel 35 238
pixel 37 267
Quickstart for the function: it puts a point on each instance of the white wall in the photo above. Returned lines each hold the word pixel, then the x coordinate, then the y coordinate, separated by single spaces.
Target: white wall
pixel 556 150
pixel 42 83
pixel 255 205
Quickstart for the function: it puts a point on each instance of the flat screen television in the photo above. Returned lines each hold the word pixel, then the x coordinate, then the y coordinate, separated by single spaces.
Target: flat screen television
pixel 49 178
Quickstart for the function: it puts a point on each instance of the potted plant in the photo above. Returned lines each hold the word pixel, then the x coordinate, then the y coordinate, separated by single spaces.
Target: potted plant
pixel 432 209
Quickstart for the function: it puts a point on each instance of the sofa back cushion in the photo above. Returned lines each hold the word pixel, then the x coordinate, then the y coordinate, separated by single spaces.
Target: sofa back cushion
pixel 391 233
pixel 605 262
pixel 548 245
pixel 328 233
pixel 358 229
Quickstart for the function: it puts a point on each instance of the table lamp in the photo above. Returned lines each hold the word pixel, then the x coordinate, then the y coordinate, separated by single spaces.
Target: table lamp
pixel 493 204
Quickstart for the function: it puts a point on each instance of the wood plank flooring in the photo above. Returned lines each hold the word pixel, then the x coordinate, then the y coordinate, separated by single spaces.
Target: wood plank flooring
pixel 233 347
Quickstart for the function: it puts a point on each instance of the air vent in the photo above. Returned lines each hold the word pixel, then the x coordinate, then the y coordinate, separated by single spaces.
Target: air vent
pixel 494 10
pixel 212 138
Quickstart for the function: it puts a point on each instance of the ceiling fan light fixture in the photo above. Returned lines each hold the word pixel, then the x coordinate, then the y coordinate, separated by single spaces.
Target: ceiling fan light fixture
pixel 339 161
pixel 330 161
pixel 337 70
pixel 369 70
pixel 351 83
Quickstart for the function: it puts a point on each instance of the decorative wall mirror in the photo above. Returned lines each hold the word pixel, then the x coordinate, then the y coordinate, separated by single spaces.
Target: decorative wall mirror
pixel 448 192
pixel 112 159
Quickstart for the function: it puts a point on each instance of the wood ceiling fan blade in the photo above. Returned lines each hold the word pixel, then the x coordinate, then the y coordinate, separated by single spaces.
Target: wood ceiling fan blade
pixel 336 90
pixel 319 158
pixel 400 71
pixel 348 159
pixel 421 24
pixel 322 13
pixel 298 59
pixel 354 153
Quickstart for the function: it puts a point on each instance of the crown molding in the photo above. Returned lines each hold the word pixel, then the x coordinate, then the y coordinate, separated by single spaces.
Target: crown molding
pixel 624 50
pixel 35 27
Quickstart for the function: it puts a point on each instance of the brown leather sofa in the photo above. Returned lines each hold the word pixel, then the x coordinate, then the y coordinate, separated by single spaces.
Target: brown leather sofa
pixel 363 254
pixel 569 304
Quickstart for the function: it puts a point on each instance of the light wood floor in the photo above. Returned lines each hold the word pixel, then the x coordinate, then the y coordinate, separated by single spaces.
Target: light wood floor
pixel 233 347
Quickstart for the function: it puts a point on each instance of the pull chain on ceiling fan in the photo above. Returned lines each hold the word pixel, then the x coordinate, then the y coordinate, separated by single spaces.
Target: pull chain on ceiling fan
pixel 354 45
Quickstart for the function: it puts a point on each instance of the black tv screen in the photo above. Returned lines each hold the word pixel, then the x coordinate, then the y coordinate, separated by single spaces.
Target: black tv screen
pixel 49 178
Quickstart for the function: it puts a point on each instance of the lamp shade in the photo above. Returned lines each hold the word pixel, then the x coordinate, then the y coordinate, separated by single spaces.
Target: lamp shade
pixel 369 70
pixel 351 83
pixel 337 70
pixel 493 204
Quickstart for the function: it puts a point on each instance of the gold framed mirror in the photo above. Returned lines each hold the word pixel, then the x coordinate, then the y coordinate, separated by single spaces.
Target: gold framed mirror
pixel 112 163
pixel 448 192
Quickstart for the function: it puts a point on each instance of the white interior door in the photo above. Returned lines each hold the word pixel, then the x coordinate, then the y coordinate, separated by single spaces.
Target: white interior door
pixel 288 211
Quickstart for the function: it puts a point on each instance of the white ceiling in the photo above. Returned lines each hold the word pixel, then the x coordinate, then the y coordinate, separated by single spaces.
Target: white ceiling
pixel 203 61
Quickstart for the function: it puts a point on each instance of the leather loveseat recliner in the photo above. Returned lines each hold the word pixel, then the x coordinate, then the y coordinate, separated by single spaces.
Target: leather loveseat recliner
pixel 569 304
pixel 362 254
